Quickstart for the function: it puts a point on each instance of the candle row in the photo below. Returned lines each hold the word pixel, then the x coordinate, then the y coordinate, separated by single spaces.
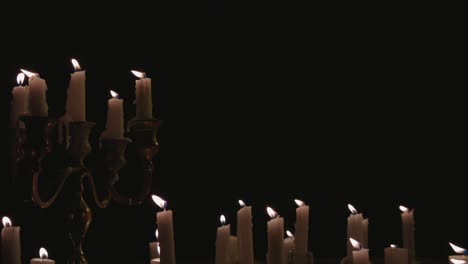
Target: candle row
pixel 31 100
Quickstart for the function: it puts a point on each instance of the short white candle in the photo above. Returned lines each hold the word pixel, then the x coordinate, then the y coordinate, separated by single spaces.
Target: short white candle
pixel 244 234
pixel 275 238
pixel 76 98
pixel 407 223
pixel 301 234
pixel 153 247
pixel 115 118
pixel 144 104
pixel 19 102
pixel 37 95
pixel 462 253
pixel 166 231
pixel 222 242
pixel 11 246
pixel 289 245
pixel 360 255
pixel 396 255
pixel 354 230
pixel 43 258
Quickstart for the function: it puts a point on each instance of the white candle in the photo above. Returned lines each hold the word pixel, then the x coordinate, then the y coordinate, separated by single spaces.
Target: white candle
pixel 19 102
pixel 11 246
pixel 156 260
pixel 244 234
pixel 462 253
pixel 407 223
pixel 43 258
pixel 233 249
pixel 115 118
pixel 354 230
pixel 275 238
pixel 153 247
pixel 144 104
pixel 166 232
pixel 395 255
pixel 360 256
pixel 76 98
pixel 37 95
pixel 223 234
pixel 302 229
pixel 289 246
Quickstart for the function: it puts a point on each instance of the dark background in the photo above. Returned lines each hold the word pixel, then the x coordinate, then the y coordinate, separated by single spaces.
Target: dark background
pixel 332 105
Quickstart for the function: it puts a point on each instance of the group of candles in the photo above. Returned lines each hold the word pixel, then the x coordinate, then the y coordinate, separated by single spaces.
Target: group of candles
pixel 31 100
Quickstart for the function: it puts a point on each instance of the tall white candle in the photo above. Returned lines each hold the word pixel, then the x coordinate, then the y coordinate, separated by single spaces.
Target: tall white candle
pixel 153 247
pixel 360 255
pixel 222 242
pixel 76 99
pixel 275 238
pixel 289 246
pixel 43 258
pixel 37 95
pixel 19 102
pixel 144 104
pixel 11 246
pixel 407 224
pixel 302 231
pixel 354 230
pixel 462 253
pixel 396 255
pixel 115 118
pixel 244 234
pixel 166 232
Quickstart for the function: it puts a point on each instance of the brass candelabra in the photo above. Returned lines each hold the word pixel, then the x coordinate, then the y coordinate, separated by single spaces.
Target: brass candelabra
pixel 37 142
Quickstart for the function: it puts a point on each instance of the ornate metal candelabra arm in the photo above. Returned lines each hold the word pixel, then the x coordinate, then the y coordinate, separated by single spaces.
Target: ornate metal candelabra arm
pixel 35 192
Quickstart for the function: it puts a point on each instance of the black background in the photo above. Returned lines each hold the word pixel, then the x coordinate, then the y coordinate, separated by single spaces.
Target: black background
pixel 332 105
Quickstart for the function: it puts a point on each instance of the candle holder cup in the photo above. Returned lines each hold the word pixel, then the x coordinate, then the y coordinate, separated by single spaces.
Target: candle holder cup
pixel 39 140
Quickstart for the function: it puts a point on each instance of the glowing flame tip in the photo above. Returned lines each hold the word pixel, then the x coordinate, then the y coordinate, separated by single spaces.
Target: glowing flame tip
pixel 457 249
pixel 6 221
pixel 272 213
pixel 157 233
pixel 159 201
pixel 289 234
pixel 222 219
pixel 114 94
pixel 28 73
pixel 393 246
pixel 43 253
pixel 241 203
pixel 403 209
pixel 20 78
pixel 352 209
pixel 458 261
pixel 355 243
pixel 76 65
pixel 299 202
pixel 139 74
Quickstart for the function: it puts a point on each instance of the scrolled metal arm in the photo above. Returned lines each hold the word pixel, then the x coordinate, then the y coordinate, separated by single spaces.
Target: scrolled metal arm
pixel 51 200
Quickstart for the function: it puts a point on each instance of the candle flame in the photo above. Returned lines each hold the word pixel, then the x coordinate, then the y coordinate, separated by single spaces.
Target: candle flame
pixel 114 94
pixel 393 246
pixel 403 209
pixel 352 209
pixel 76 65
pixel 20 78
pixel 139 74
pixel 159 201
pixel 157 234
pixel 6 221
pixel 458 261
pixel 457 249
pixel 289 234
pixel 241 203
pixel 43 253
pixel 272 213
pixel 222 219
pixel 299 202
pixel 28 73
pixel 355 243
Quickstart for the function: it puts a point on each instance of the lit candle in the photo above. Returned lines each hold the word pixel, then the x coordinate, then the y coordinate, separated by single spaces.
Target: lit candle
pixel 302 231
pixel 289 245
pixel 222 242
pixel 355 229
pixel 275 238
pixel 156 260
pixel 360 255
pixel 153 246
pixel 43 258
pixel 37 94
pixel 144 104
pixel 11 246
pixel 244 234
pixel 407 224
pixel 462 253
pixel 19 103
pixel 396 255
pixel 166 232
pixel 76 98
pixel 115 118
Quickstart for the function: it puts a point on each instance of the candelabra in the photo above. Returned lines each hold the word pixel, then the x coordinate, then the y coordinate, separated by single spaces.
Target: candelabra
pixel 37 144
